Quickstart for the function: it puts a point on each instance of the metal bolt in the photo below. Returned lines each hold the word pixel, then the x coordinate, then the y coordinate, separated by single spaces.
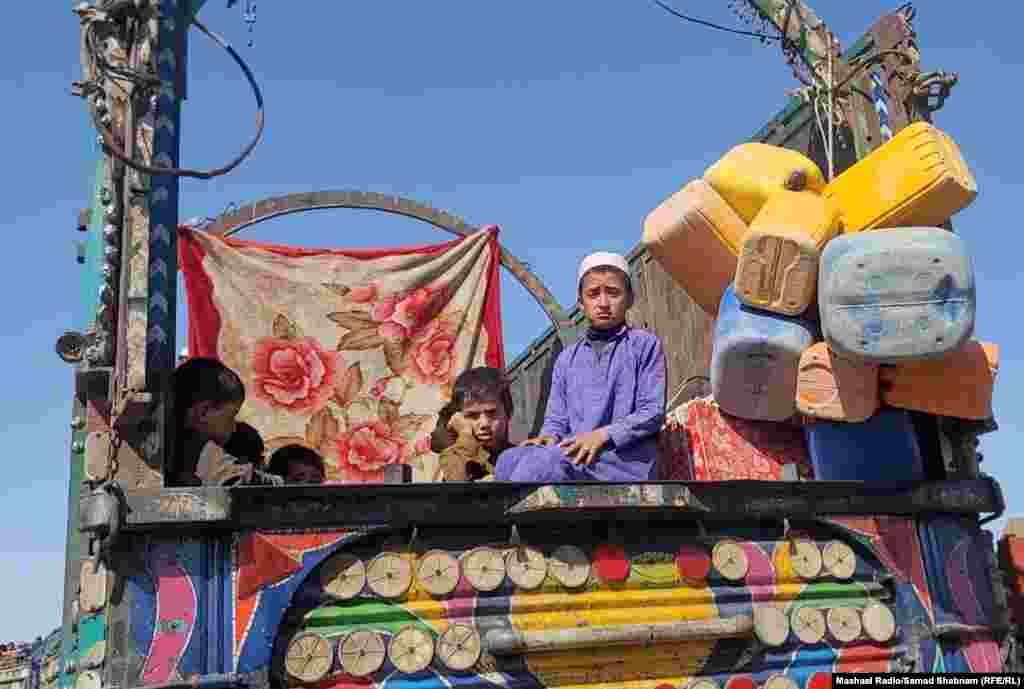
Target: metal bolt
pixel 77 423
pixel 78 447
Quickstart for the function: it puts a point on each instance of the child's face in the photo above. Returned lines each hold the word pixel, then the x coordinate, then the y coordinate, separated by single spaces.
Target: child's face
pixel 605 298
pixel 303 472
pixel 489 422
pixel 215 421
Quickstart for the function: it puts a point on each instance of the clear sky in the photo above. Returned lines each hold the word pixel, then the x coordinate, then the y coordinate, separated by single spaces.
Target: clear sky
pixel 563 122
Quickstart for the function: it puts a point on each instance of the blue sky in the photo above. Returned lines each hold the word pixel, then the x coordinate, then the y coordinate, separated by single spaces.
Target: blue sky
pixel 563 122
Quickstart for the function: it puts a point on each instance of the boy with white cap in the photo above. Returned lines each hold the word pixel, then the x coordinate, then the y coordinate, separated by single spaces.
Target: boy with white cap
pixel 607 399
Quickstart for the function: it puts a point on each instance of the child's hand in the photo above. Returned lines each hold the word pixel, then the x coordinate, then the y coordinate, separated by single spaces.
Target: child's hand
pixel 585 446
pixel 543 440
pixel 459 425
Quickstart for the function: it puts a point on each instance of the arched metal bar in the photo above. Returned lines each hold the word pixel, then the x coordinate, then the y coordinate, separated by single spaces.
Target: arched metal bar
pixel 259 211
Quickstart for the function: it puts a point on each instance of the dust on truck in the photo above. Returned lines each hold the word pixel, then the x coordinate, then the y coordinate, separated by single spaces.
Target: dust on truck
pixel 772 579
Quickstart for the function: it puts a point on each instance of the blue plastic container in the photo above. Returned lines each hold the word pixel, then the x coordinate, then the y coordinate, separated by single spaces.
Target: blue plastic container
pixel 883 448
pixel 890 296
pixel 755 359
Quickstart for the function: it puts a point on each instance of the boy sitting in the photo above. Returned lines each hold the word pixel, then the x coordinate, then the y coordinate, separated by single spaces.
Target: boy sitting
pixel 207 397
pixel 607 399
pixel 297 464
pixel 478 416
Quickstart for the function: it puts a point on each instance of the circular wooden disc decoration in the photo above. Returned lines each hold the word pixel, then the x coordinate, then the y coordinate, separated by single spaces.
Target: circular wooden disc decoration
pixel 484 568
pixel 343 576
pixel 879 622
pixel 527 567
pixel 808 624
pixel 411 650
pixel 730 560
pixel 459 647
pixel 702 684
pixel 806 558
pixel 361 653
pixel 771 626
pixel 308 658
pixel 389 575
pixel 780 682
pixel 844 623
pixel 570 566
pixel 611 563
pixel 693 563
pixel 840 560
pixel 740 682
pixel 438 572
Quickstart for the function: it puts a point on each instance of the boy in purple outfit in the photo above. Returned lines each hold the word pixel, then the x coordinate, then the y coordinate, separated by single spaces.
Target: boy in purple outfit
pixel 607 400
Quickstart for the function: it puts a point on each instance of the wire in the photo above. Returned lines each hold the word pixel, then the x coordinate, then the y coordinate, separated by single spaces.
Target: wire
pixel 703 22
pixel 115 151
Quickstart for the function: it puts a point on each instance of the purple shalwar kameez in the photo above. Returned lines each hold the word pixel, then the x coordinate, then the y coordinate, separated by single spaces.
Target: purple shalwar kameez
pixel 620 385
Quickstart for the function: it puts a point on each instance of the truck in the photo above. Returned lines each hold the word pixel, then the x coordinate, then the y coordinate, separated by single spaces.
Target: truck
pixel 672 583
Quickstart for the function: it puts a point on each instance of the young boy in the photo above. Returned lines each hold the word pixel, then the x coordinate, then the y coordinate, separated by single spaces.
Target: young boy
pixel 607 399
pixel 297 464
pixel 207 397
pixel 478 414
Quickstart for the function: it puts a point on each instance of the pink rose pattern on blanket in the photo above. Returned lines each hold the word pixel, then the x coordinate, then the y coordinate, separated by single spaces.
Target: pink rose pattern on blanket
pixel 351 353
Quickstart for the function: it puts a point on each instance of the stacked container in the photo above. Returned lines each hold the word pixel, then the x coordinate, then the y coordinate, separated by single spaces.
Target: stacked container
pixel 762 239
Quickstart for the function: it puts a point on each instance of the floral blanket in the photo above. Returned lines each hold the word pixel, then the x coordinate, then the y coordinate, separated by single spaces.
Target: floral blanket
pixel 350 352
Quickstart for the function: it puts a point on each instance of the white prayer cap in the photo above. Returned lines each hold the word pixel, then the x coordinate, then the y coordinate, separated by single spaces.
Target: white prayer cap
pixel 601 259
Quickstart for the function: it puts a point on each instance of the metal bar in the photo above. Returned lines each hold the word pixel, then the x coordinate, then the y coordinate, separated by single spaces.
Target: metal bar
pixel 446 504
pixel 501 642
pixel 259 211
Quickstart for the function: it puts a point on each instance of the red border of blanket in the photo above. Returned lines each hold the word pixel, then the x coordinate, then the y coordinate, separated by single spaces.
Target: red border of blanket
pixel 199 289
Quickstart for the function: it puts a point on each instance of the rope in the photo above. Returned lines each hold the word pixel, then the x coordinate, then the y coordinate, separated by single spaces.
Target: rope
pixel 831 120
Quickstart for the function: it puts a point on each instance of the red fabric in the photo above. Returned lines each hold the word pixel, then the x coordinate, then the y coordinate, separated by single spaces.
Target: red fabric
pixel 702 443
pixel 204 321
pixel 351 352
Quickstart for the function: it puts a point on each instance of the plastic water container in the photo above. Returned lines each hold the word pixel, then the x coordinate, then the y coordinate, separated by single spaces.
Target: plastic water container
pixel 695 236
pixel 918 177
pixel 778 265
pixel 883 448
pixel 755 359
pixel 830 387
pixel 898 295
pixel 749 174
pixel 959 384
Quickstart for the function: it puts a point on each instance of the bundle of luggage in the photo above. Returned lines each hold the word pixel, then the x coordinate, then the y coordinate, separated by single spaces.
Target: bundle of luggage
pixel 839 306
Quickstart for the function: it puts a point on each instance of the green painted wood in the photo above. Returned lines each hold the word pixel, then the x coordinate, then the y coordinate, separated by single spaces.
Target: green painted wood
pixel 337 620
